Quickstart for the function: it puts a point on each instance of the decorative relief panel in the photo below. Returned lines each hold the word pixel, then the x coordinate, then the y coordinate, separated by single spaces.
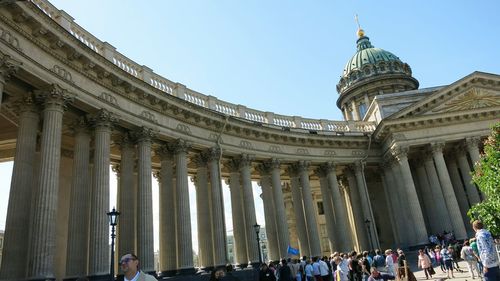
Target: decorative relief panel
pixel 358 153
pixel 246 144
pixel 275 148
pixel 472 99
pixel 302 151
pixel 329 153
pixel 63 73
pixel 183 128
pixel 109 98
pixel 7 37
pixel 150 116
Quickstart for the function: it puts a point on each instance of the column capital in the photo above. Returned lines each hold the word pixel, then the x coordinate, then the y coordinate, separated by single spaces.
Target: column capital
pixel 302 165
pixel 80 125
pixel 274 163
pixel 245 160
pixel 212 153
pixel 124 140
pixel 144 133
pixel 200 160
pixel 116 168
pixel 26 102
pixel 292 171
pixel 321 171
pixel 437 147
pixel 102 118
pixel 157 175
pixel 472 142
pixel 8 66
pixel 180 145
pixel 54 96
pixel 400 152
pixel 165 152
pixel 264 169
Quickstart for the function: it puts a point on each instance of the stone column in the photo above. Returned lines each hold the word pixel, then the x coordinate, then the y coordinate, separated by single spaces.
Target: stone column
pixel 472 145
pixel 440 212
pixel 339 209
pixel 390 209
pixel 15 248
pixel 402 202
pixel 205 245
pixel 145 240
pixel 77 249
pixel 298 208
pixel 240 246
pixel 428 200
pixel 126 235
pixel 245 164
pixel 366 206
pixel 279 207
pixel 309 211
pixel 357 211
pixel 420 231
pixel 470 188
pixel 43 240
pixel 168 207
pixel 355 111
pixel 458 187
pixel 328 208
pixel 184 238
pixel 8 66
pixel 392 192
pixel 448 193
pixel 99 226
pixel 218 222
pixel 269 215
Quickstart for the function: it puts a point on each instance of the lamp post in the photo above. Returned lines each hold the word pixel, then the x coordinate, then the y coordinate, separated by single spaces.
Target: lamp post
pixel 113 219
pixel 256 227
pixel 368 222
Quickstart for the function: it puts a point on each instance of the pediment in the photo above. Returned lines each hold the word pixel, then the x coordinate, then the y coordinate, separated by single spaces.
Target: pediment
pixel 477 91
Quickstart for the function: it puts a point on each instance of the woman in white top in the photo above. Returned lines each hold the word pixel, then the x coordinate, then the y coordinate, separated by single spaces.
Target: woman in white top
pixel 389 262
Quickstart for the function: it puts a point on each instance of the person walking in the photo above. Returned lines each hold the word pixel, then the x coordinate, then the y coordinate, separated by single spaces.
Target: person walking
pixel 487 252
pixel 284 272
pixel 129 264
pixel 309 272
pixel 266 274
pixel 425 263
pixel 379 261
pixel 448 260
pixel 467 254
pixel 389 263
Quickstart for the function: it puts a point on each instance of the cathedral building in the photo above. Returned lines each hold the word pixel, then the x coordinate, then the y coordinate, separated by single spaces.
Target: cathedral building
pixel 393 172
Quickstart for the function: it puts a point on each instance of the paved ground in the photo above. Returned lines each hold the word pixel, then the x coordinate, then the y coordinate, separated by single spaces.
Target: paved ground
pixel 459 276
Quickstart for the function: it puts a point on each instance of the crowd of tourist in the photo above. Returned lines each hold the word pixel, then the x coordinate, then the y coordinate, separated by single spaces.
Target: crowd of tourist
pixel 479 254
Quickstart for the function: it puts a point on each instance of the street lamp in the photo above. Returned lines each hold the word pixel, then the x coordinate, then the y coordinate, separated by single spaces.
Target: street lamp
pixel 368 222
pixel 256 227
pixel 113 219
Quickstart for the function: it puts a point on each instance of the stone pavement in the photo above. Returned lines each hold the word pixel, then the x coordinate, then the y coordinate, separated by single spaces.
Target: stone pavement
pixel 420 275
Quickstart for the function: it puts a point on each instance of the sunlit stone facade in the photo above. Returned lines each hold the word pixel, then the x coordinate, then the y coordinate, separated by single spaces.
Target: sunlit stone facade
pixel 393 172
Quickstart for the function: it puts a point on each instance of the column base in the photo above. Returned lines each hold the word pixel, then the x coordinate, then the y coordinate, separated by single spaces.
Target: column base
pixel 167 273
pixel 104 277
pixel 241 266
pixel 186 271
pixel 206 269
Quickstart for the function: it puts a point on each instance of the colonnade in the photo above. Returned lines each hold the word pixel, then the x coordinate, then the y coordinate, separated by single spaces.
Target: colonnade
pixel 425 194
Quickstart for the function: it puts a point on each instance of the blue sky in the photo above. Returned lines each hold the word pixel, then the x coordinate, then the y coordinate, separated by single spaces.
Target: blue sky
pixel 287 56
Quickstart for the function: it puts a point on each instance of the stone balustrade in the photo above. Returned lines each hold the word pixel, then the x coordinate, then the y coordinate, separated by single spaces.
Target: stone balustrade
pixel 206 101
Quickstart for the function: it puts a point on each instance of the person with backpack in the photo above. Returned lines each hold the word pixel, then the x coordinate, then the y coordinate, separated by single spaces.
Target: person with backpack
pixel 467 254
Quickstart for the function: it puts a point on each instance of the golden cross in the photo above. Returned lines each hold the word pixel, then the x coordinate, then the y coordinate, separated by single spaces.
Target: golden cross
pixel 357 20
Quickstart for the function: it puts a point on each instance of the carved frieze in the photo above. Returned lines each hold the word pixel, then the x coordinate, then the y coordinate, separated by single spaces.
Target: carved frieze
pixel 7 37
pixel 246 144
pixel 109 98
pixel 302 151
pixel 275 148
pixel 329 153
pixel 358 153
pixel 149 116
pixel 63 73
pixel 183 128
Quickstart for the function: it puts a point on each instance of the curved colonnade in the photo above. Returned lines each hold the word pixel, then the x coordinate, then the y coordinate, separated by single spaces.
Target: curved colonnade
pixel 73 106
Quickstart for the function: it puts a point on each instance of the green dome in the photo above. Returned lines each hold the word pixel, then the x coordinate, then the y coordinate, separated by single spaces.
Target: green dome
pixel 369 62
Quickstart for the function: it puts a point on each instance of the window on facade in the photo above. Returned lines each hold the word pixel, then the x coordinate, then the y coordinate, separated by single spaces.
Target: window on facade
pixel 362 109
pixel 321 211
